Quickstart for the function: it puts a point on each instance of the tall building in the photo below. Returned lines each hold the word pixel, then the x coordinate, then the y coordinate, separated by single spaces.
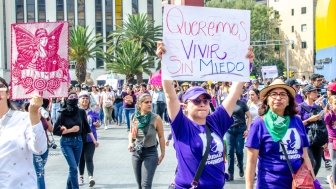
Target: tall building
pixel 297 26
pixel 101 16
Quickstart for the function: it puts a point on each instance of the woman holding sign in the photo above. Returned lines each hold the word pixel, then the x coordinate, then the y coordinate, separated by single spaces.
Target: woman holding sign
pixel 21 135
pixel 191 130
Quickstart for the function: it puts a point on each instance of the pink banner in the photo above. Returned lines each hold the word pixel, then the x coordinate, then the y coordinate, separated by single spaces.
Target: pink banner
pixel 156 79
pixel 39 62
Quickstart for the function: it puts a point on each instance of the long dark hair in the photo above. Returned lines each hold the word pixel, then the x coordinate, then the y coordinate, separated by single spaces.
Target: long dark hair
pixel 290 110
pixel 3 81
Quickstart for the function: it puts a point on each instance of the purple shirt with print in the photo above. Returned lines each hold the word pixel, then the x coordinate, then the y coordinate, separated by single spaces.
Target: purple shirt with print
pixel 92 116
pixel 330 120
pixel 273 171
pixel 190 143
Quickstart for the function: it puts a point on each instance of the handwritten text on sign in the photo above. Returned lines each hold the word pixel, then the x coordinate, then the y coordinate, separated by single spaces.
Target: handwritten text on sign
pixel 205 44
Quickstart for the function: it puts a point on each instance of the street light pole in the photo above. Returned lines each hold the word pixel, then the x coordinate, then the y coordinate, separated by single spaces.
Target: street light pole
pixel 287 58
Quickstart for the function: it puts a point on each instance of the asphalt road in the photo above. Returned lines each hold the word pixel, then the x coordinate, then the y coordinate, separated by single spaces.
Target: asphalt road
pixel 113 168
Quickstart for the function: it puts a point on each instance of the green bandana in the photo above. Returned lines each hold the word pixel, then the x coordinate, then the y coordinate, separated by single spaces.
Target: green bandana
pixel 276 125
pixel 143 119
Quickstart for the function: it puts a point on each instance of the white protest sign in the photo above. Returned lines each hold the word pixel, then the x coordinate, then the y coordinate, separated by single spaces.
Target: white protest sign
pixel 269 72
pixel 205 44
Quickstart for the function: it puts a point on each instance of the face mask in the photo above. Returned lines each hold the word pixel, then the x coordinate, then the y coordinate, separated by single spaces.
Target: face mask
pixel 72 102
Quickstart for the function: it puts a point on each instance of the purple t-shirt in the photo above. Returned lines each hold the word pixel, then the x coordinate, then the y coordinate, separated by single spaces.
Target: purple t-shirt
pixel 330 120
pixel 298 98
pixel 273 171
pixel 123 94
pixel 190 143
pixel 92 117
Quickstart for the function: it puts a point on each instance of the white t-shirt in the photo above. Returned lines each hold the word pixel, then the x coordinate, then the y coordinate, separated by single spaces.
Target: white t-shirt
pixel 18 141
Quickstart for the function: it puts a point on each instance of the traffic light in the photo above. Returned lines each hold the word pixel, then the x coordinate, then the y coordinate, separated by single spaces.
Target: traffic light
pixel 291 74
pixel 285 73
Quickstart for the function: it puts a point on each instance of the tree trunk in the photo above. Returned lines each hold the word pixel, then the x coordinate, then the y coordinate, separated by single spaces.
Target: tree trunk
pixel 129 79
pixel 139 78
pixel 80 70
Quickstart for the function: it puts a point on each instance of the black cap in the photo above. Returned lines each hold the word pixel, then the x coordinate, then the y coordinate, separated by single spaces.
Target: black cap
pixel 292 82
pixel 309 88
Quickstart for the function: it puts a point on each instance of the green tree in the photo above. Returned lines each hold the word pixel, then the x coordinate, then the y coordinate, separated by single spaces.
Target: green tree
pixel 139 29
pixel 128 59
pixel 83 46
pixel 264 21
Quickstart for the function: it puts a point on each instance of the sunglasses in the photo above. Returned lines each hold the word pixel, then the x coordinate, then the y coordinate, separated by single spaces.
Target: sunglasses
pixel 198 101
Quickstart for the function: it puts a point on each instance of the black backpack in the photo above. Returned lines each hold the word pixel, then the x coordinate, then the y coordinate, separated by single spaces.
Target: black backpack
pixel 317 133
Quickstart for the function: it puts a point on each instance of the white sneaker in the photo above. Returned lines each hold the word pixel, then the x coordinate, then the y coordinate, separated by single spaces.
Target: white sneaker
pixel 105 127
pixel 81 181
pixel 91 181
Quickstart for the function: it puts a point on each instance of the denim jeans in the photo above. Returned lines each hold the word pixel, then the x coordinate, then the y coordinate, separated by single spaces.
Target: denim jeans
pixel 235 143
pixel 101 115
pixel 72 149
pixel 118 108
pixel 39 163
pixel 144 166
pixel 54 111
pixel 128 113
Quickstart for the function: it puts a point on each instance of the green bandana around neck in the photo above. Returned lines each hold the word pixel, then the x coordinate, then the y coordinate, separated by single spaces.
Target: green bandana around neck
pixel 276 125
pixel 143 119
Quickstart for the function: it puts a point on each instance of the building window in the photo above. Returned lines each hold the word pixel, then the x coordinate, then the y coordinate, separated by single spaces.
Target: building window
pixel 292 45
pixel 109 16
pixel 292 29
pixel 135 6
pixel 303 10
pixel 303 27
pixel 303 45
pixel 276 13
pixel 277 30
pixel 119 13
pixel 99 27
pixel 71 12
pixel 19 11
pixel 81 12
pixel 30 10
pixel 150 10
pixel 41 11
pixel 60 10
pixel 292 12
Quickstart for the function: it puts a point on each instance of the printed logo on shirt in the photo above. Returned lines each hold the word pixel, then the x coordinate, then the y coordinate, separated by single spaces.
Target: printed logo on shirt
pixel 216 149
pixel 292 141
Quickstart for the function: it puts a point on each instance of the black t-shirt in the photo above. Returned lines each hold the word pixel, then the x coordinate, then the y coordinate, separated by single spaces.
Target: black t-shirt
pixel 70 120
pixel 238 114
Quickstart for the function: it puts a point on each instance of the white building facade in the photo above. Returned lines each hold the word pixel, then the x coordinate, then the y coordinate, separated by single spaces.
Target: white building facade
pixel 101 16
pixel 297 25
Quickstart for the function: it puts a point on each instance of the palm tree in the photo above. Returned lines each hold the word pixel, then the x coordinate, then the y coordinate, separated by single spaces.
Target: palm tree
pixel 83 46
pixel 139 30
pixel 128 59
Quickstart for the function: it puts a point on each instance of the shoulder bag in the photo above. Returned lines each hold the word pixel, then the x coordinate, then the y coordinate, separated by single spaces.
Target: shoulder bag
pixel 303 178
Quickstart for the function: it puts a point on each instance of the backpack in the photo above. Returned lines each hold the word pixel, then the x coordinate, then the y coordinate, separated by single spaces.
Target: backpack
pixel 318 133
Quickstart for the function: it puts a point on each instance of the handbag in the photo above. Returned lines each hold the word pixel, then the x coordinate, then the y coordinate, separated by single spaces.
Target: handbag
pixel 303 178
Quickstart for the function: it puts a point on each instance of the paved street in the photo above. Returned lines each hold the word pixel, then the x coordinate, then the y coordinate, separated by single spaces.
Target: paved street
pixel 113 167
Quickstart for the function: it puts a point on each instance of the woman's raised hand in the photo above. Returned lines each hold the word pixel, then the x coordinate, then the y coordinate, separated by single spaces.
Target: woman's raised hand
pixel 160 49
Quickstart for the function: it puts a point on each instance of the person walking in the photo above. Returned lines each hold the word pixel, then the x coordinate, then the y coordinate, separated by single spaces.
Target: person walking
pixel 235 137
pixel 189 131
pixel 310 114
pixel 254 103
pixel 21 136
pixel 146 127
pixel 278 124
pixel 129 100
pixel 89 145
pixel 73 126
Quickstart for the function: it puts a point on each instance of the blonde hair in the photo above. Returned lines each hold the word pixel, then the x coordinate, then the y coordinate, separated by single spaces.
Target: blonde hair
pixel 140 100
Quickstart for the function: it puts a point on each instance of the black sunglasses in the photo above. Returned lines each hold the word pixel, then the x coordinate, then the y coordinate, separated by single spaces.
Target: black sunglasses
pixel 198 101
